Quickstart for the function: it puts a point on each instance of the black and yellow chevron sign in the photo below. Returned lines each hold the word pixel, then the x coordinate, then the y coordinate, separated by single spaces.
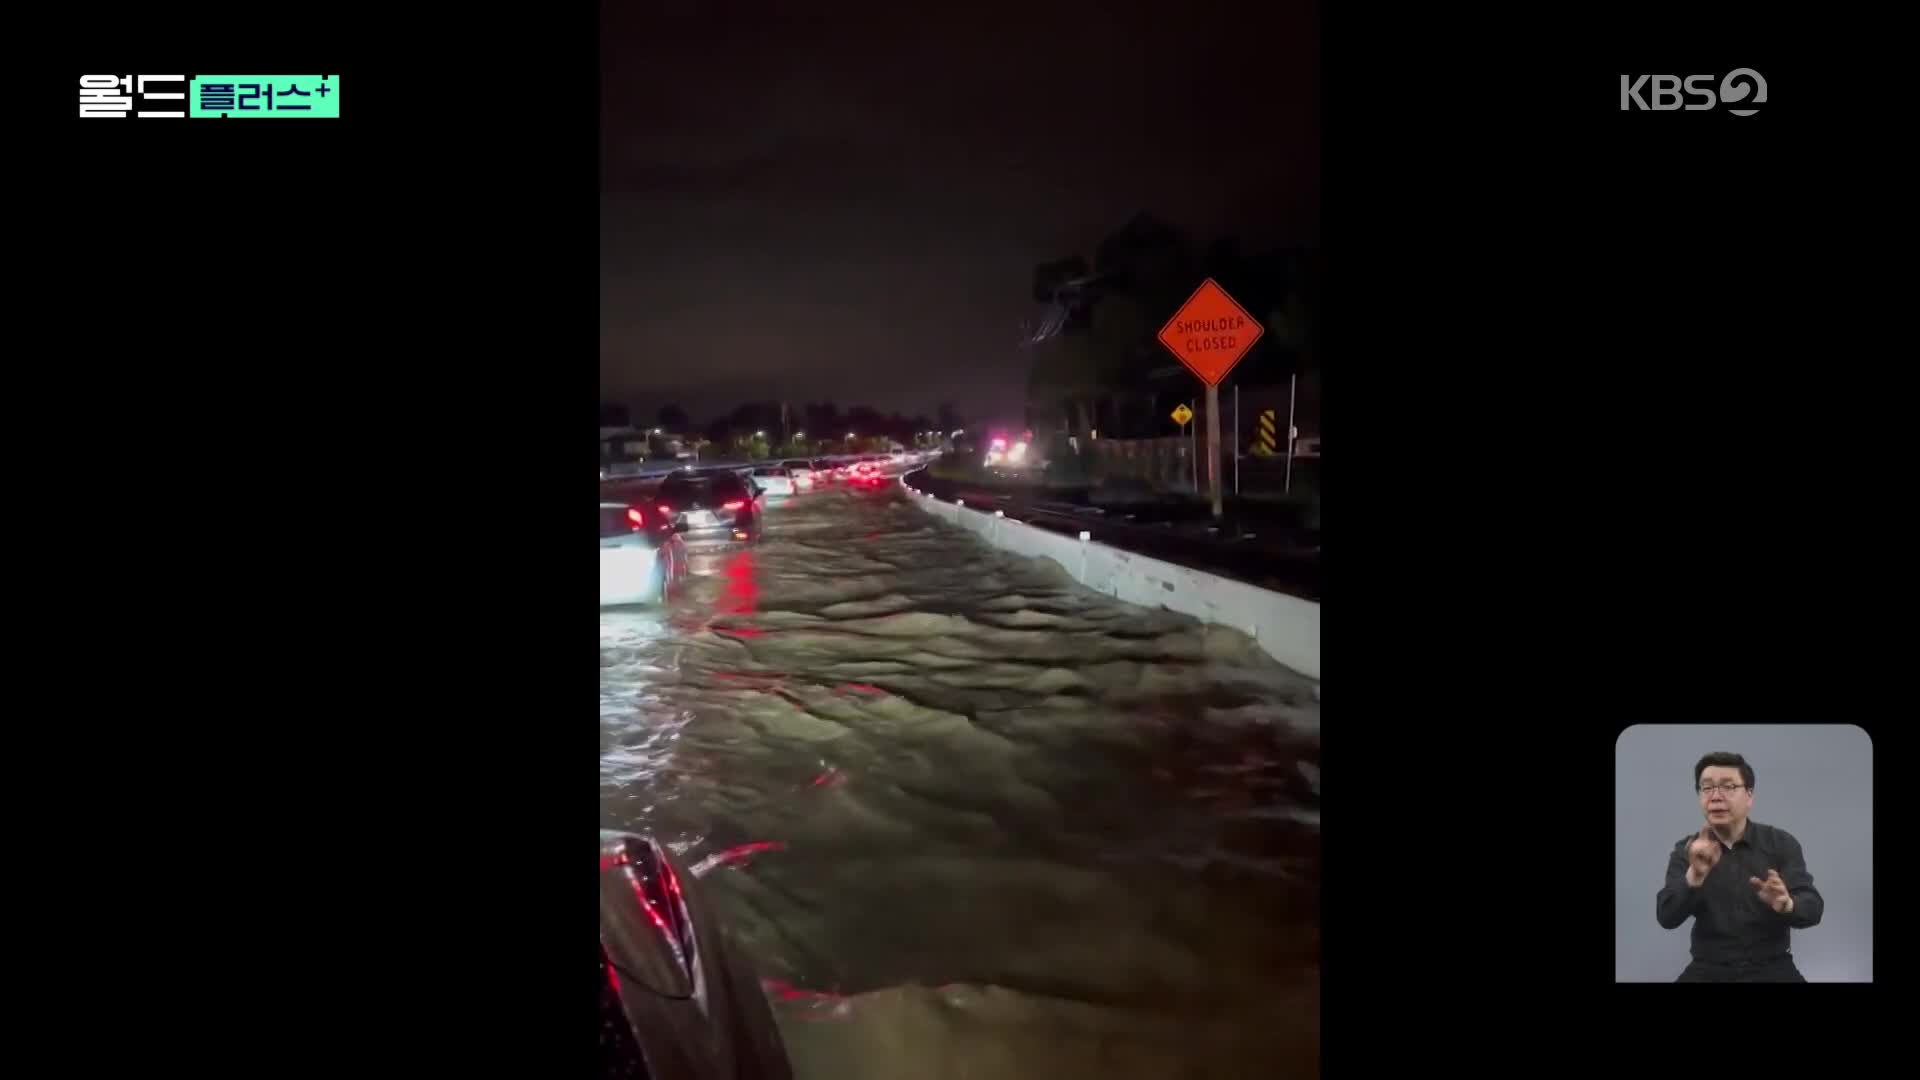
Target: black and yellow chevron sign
pixel 1265 438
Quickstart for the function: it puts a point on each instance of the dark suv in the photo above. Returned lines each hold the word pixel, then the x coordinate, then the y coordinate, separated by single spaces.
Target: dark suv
pixel 719 505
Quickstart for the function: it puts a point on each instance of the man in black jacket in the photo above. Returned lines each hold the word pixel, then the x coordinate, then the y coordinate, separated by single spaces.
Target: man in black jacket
pixel 1745 884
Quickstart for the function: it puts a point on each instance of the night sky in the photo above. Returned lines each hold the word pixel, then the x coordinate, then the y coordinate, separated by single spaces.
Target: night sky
pixel 850 208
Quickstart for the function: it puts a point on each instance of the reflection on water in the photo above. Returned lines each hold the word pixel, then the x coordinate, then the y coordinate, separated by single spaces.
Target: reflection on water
pixel 969 818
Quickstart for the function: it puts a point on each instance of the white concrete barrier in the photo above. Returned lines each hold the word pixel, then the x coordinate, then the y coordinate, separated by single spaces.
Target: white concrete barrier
pixel 1286 628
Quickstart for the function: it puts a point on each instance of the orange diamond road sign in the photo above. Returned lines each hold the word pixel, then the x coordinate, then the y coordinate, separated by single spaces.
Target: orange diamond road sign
pixel 1182 414
pixel 1210 333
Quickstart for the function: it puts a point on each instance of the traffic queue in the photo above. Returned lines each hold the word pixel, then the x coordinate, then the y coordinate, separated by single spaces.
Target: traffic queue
pixel 645 532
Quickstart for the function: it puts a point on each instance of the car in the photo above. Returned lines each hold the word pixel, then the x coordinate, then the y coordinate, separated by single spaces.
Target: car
pixel 866 473
pixel 719 504
pixel 678 995
pixel 823 471
pixel 802 471
pixel 642 558
pixel 776 480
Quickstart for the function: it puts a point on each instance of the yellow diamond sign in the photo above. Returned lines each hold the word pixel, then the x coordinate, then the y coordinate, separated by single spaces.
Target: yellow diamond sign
pixel 1182 414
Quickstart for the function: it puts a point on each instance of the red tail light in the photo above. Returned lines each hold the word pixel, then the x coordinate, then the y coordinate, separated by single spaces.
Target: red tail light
pixel 634 516
pixel 735 504
pixel 664 508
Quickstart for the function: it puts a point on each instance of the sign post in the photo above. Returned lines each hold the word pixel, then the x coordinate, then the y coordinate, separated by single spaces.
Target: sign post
pixel 1293 390
pixel 1210 333
pixel 1213 448
pixel 1182 415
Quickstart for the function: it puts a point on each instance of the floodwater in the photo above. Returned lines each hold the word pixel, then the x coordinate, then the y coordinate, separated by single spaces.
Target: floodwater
pixel 968 818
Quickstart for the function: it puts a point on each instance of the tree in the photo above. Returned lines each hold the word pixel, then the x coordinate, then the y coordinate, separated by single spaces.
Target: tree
pixel 823 420
pixel 1049 278
pixel 1146 258
pixel 1060 380
pixel 864 421
pixel 757 416
pixel 901 429
pixel 672 418
pixel 1282 290
pixel 1099 362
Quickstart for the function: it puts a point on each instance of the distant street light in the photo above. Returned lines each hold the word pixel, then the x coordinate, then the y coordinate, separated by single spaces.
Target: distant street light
pixel 799 434
pixel 850 435
pixel 759 434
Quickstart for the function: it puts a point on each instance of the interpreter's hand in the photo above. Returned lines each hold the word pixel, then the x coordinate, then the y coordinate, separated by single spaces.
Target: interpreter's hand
pixel 1772 891
pixel 1703 854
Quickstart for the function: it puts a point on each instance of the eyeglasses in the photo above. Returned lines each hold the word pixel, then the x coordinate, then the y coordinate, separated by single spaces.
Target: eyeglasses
pixel 1708 789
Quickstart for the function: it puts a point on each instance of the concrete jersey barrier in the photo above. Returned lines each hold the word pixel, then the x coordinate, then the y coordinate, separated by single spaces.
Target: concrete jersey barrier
pixel 1286 628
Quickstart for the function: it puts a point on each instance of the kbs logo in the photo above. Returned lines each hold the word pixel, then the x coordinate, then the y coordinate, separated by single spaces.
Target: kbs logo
pixel 1735 87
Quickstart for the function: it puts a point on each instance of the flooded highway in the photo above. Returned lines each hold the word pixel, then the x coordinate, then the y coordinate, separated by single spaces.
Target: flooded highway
pixel 968 818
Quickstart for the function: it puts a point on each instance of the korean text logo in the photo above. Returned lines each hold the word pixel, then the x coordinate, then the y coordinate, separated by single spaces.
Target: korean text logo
pixel 216 97
pixel 1734 87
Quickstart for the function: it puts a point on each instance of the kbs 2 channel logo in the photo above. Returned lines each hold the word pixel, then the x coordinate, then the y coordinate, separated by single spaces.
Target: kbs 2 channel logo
pixel 209 97
pixel 1665 91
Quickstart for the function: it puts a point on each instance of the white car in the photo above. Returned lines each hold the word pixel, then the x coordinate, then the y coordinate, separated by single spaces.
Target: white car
pixel 775 480
pixel 802 472
pixel 642 557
